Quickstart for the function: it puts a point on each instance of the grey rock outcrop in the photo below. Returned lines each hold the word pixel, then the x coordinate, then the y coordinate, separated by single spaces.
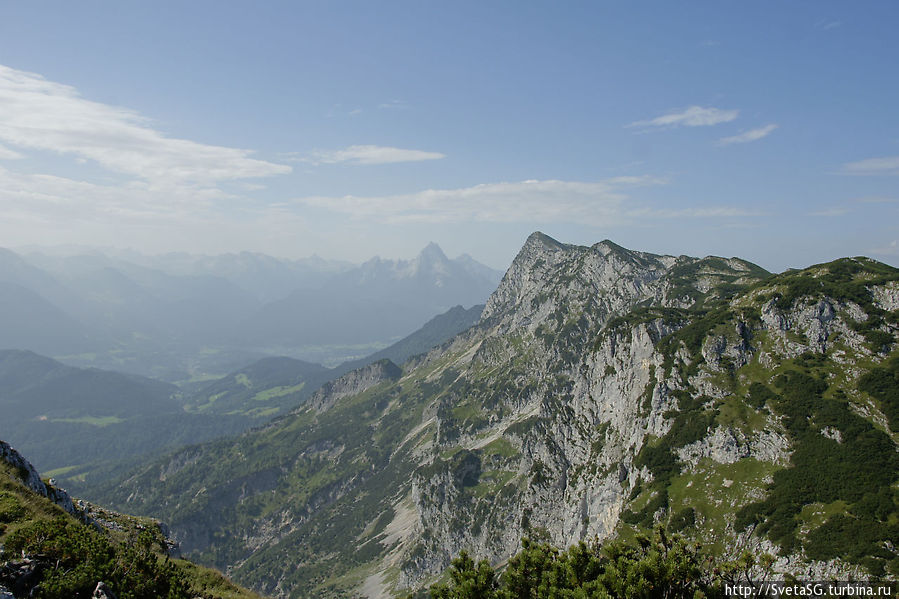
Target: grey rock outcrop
pixel 103 592
pixel 354 382
pixel 31 479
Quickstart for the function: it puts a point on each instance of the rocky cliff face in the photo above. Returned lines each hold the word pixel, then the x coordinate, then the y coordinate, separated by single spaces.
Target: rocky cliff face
pixel 605 379
pixel 584 399
pixel 31 479
pixel 603 390
pixel 353 383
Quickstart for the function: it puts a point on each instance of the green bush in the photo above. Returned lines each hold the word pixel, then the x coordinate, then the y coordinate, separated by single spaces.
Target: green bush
pixel 759 395
pixel 882 383
pixel 84 557
pixel 650 566
pixel 859 471
pixel 11 509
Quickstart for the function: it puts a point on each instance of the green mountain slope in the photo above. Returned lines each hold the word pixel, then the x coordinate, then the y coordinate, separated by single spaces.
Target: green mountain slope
pixel 51 548
pixel 73 420
pixel 603 390
pixel 272 386
pixel 263 389
pixel 87 425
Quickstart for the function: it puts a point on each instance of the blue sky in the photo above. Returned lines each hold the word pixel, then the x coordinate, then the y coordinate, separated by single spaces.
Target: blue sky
pixel 766 130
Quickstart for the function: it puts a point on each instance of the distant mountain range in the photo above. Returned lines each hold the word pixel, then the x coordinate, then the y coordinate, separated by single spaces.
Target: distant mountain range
pixel 381 299
pixel 179 316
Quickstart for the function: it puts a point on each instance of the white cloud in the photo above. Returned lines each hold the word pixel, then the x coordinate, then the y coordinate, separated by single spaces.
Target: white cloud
pixel 825 25
pixel 39 208
pixel 393 104
pixel 370 155
pixel 748 136
pixel 7 154
pixel 545 201
pixel 549 201
pixel 832 211
pixel 888 165
pixel 694 116
pixel 50 198
pixel 698 212
pixel 43 115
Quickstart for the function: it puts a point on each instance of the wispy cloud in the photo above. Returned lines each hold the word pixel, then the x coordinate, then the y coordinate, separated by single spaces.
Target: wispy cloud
pixel 832 211
pixel 547 201
pixel 888 165
pixel 43 115
pixel 694 116
pixel 698 212
pixel 748 136
pixel 51 197
pixel 367 154
pixel 399 104
pixel 605 202
pixel 826 25
pixel 7 154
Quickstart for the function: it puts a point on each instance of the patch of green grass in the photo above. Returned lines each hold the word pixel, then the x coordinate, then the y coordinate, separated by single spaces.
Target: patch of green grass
pixel 491 481
pixel 98 421
pixel 814 515
pixel 500 447
pixel 736 414
pixel 705 489
pixel 278 392
pixel 466 412
pixel 56 472
pixel 259 412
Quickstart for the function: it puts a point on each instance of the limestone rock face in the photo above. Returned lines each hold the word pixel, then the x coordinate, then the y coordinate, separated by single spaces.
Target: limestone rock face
pixel 354 382
pixel 103 592
pixel 591 392
pixel 595 399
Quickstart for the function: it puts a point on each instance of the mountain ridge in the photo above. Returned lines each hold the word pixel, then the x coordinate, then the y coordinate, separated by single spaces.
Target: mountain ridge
pixel 603 390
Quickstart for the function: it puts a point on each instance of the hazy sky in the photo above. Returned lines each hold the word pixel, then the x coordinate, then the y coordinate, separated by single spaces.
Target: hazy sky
pixel 767 130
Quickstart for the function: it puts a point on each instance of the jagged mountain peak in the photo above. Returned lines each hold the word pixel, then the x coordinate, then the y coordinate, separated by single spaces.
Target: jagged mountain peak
pixel 432 251
pixel 546 268
pixel 542 239
pixel 552 280
pixel 430 261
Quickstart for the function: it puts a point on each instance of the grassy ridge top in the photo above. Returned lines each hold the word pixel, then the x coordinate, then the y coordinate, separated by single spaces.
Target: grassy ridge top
pixel 129 554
